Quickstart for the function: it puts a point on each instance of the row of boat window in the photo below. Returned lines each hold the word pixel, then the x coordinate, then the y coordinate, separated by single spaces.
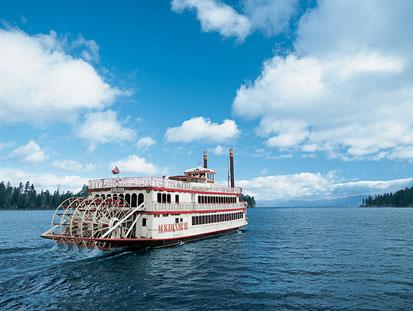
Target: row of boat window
pixel 133 200
pixel 207 219
pixel 205 199
pixel 166 198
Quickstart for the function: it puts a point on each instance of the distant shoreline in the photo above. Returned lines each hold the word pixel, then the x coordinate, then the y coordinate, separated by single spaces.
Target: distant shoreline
pixel 386 206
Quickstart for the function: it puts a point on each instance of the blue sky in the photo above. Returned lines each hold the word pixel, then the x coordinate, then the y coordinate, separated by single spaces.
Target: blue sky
pixel 314 96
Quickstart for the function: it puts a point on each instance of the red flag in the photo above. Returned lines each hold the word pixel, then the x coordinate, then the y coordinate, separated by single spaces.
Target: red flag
pixel 115 170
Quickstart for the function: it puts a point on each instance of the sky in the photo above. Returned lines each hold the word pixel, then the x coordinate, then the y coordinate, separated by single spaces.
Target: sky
pixel 316 97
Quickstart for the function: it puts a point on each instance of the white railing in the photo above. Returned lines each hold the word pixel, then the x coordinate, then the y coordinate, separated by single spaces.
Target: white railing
pixel 159 182
pixel 193 206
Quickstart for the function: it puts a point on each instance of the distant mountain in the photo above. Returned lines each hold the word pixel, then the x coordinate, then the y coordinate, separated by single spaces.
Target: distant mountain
pixel 352 201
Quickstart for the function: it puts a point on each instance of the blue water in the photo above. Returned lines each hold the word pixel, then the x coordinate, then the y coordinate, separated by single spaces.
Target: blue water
pixel 287 258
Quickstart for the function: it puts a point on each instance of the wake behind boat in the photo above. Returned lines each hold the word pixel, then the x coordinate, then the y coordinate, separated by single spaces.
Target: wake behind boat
pixel 150 212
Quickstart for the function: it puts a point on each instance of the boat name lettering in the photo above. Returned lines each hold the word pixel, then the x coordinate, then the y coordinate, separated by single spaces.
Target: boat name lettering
pixel 117 190
pixel 173 227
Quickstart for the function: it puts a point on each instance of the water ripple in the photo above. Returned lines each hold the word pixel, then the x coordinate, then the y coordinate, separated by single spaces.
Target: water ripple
pixel 289 259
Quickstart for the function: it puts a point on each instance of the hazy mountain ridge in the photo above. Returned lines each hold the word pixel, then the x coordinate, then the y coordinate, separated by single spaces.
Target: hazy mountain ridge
pixel 351 201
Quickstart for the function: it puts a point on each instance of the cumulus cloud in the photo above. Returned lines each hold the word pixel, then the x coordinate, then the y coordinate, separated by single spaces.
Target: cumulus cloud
pixel 311 186
pixel 135 164
pixel 201 129
pixel 145 143
pixel 269 16
pixel 30 153
pixel 347 88
pixel 104 127
pixel 218 150
pixel 70 165
pixel 40 81
pixel 43 180
pixel 215 15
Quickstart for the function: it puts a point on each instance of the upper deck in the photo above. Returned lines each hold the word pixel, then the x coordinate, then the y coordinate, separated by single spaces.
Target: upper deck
pixel 156 182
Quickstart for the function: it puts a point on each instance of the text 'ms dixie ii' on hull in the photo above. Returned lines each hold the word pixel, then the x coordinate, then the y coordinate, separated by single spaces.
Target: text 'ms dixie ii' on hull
pixel 150 212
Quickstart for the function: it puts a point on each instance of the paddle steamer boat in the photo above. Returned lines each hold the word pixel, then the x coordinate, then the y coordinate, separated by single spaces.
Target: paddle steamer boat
pixel 150 212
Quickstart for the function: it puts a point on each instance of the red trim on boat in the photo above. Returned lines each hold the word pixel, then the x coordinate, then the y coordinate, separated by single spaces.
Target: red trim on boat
pixel 132 241
pixel 166 239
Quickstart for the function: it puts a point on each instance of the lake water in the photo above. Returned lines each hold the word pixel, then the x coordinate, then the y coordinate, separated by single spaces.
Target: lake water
pixel 287 258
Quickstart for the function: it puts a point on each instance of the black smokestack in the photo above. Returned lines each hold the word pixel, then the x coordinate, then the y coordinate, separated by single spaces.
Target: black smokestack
pixel 205 159
pixel 231 167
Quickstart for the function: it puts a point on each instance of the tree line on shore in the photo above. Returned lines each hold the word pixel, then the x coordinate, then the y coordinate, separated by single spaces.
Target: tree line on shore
pixel 401 198
pixel 249 199
pixel 25 197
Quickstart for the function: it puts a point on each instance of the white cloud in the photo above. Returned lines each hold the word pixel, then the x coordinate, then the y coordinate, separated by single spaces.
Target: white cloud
pixel 311 186
pixel 269 16
pixel 135 164
pixel 30 153
pixel 215 15
pixel 103 127
pixel 218 150
pixel 4 145
pixel 43 180
pixel 71 165
pixel 199 128
pixel 145 142
pixel 40 81
pixel 89 49
pixel 347 88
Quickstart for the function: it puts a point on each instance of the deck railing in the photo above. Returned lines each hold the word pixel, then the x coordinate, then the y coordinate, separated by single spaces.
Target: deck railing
pixel 159 182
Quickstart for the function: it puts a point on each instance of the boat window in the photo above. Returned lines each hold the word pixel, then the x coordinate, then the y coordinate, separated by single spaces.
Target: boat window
pixel 159 197
pixel 176 220
pixel 141 198
pixel 177 198
pixel 127 198
pixel 143 222
pixel 168 197
pixel 115 197
pixel 134 199
pixel 96 196
pixel 102 196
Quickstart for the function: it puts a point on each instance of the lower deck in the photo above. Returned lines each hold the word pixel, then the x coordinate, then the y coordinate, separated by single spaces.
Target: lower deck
pixel 176 225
